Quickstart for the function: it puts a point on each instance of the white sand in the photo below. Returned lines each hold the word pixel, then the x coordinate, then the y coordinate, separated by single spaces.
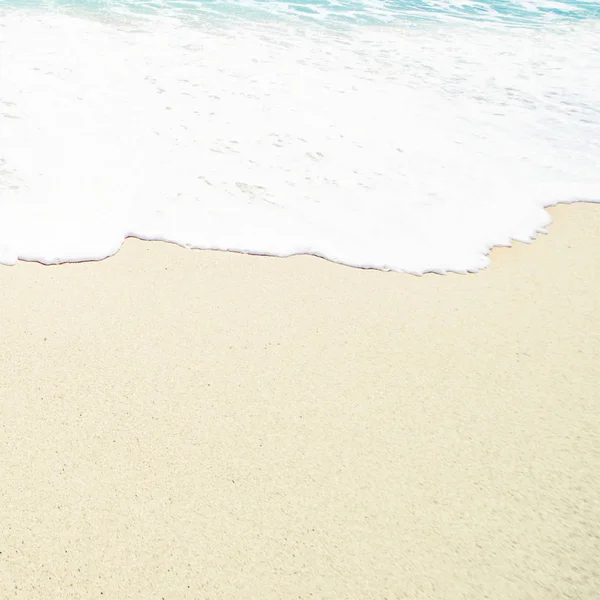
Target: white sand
pixel 186 424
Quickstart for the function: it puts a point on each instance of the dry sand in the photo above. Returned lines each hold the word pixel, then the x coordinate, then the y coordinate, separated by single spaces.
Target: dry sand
pixel 184 424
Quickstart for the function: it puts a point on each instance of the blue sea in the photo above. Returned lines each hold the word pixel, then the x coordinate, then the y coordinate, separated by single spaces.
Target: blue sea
pixel 400 135
pixel 324 12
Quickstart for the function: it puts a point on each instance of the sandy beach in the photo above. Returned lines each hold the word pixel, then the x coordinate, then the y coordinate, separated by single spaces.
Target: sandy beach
pixel 187 424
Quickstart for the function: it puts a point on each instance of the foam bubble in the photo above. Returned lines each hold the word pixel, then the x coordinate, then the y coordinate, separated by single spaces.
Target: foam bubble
pixel 412 147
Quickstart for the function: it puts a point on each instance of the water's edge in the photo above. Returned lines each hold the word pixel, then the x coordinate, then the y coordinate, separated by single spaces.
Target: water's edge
pixel 414 147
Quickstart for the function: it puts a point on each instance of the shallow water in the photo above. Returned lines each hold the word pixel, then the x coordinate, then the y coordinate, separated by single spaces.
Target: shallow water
pixel 410 136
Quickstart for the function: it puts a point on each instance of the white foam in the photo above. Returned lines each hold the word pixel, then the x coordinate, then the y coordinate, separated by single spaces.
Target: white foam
pixel 408 148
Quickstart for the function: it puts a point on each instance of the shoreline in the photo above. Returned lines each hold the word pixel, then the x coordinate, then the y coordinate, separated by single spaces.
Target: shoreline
pixel 205 424
pixel 514 242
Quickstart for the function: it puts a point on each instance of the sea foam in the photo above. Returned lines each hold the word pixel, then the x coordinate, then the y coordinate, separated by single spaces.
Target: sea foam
pixel 413 147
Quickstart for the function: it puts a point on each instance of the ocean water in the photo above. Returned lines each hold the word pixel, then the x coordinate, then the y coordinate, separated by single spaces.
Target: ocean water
pixel 408 135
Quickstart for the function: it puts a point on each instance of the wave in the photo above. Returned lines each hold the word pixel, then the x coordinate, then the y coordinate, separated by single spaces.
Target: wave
pixel 408 148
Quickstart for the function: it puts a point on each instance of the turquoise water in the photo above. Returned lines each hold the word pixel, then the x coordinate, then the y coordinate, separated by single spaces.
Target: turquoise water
pixel 370 12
